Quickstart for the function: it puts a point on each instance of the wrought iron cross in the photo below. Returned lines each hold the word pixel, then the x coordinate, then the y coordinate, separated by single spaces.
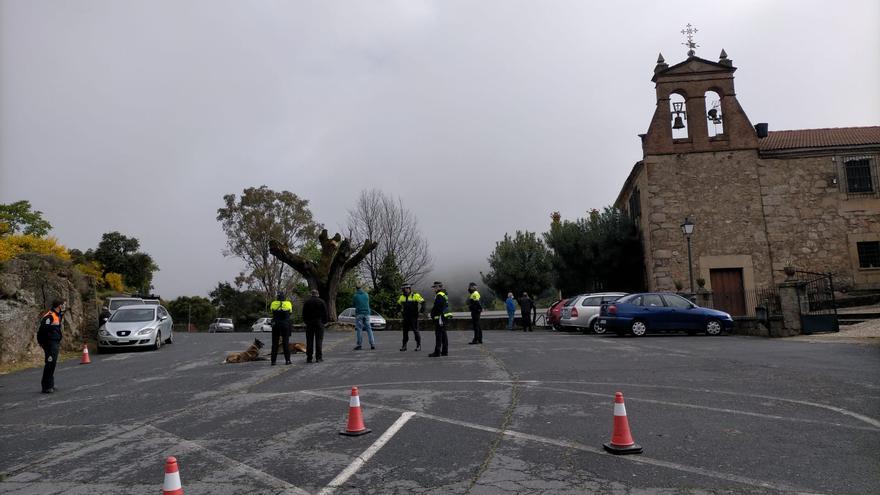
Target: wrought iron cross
pixel 691 44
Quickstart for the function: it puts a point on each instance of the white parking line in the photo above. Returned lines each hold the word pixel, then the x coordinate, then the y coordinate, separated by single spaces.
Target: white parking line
pixel 584 448
pixel 360 460
pixel 234 465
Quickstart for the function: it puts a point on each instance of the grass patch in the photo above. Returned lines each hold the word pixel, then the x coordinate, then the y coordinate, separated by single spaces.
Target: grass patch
pixel 6 369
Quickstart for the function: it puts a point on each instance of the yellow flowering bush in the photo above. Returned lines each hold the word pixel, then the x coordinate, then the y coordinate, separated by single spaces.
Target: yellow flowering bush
pixel 14 245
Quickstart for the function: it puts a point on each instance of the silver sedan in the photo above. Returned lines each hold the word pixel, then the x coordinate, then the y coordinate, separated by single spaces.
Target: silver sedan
pixel 136 327
pixel 582 311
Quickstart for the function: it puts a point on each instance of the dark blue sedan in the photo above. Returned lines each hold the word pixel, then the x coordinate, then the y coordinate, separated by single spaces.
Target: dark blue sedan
pixel 641 313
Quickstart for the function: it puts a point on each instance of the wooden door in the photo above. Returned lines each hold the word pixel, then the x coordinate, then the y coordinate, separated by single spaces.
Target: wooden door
pixel 727 290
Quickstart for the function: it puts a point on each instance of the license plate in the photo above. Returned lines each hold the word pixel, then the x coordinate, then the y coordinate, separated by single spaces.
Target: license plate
pixel 121 341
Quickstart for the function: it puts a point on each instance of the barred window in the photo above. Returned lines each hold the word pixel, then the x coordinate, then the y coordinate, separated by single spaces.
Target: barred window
pixel 860 176
pixel 869 254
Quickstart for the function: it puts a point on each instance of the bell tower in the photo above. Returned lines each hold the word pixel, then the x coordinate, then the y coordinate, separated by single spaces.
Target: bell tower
pixel 682 122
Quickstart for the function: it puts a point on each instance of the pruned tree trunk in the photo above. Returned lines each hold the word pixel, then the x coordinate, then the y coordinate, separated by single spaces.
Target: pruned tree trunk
pixel 338 257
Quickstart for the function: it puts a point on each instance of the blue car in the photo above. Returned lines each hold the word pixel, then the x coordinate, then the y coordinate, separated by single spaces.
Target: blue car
pixel 646 312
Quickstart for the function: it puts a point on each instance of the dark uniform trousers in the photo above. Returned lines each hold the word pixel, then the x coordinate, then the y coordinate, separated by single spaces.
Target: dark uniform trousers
pixel 475 323
pixel 411 324
pixel 314 339
pixel 50 349
pixel 282 331
pixel 441 342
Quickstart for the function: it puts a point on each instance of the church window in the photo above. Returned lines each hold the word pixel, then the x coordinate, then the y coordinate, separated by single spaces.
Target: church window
pixel 635 205
pixel 869 254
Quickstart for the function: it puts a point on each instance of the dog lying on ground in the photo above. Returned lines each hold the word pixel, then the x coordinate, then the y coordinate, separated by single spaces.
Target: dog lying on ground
pixel 296 347
pixel 251 354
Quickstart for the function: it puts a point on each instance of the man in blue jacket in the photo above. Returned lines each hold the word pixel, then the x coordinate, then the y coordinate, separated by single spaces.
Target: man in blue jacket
pixel 361 303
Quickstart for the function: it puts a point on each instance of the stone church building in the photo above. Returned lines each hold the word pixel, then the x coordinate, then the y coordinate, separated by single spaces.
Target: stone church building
pixel 759 200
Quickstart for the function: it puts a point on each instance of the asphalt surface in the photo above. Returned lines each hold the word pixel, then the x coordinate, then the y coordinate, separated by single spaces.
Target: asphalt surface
pixel 523 413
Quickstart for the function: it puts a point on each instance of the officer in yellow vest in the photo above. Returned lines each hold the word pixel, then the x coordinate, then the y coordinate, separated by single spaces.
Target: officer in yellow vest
pixel 476 308
pixel 441 314
pixel 411 303
pixel 282 310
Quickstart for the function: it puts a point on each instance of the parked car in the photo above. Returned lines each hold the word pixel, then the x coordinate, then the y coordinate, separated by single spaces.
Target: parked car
pixel 262 325
pixel 114 303
pixel 377 321
pixel 581 312
pixel 554 313
pixel 221 325
pixel 136 326
pixel 639 314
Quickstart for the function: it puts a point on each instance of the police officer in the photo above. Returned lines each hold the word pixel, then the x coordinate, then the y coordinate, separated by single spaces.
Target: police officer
pixel 441 315
pixel 314 316
pixel 411 304
pixel 282 309
pixel 49 338
pixel 476 308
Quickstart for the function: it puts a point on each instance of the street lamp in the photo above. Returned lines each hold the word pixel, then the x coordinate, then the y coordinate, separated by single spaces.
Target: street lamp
pixel 687 228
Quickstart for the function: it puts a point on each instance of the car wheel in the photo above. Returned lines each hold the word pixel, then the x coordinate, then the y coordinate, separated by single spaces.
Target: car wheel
pixel 638 328
pixel 713 327
pixel 158 343
pixel 596 328
pixel 170 340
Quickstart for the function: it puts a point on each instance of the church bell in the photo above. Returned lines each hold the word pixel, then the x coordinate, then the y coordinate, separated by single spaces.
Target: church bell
pixel 678 123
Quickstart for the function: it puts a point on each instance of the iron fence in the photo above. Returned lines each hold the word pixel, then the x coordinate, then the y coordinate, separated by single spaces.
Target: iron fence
pixel 756 303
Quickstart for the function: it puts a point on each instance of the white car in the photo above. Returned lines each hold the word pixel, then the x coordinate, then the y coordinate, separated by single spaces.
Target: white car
pixel 136 326
pixel 582 312
pixel 262 325
pixel 221 325
pixel 377 321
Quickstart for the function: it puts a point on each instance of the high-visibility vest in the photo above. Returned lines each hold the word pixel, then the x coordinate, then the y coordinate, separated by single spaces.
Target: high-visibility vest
pixel 446 313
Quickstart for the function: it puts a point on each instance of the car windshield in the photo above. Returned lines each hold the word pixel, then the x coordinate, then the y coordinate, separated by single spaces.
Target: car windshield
pixel 224 320
pixel 132 315
pixel 118 303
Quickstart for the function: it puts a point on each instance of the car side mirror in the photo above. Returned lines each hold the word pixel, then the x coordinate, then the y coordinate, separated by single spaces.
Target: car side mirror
pixel 163 318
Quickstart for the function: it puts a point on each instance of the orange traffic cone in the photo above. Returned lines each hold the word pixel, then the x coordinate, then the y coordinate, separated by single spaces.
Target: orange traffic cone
pixel 85 359
pixel 356 425
pixel 621 439
pixel 171 486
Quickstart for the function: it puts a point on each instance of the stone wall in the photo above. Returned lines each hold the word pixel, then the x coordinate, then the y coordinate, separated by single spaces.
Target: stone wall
pixel 720 193
pixel 27 287
pixel 813 224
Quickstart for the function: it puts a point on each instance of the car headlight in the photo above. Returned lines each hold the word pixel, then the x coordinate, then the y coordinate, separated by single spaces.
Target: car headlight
pixel 146 331
pixel 104 333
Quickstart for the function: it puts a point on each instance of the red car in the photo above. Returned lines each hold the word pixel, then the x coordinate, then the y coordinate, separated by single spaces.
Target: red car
pixel 554 313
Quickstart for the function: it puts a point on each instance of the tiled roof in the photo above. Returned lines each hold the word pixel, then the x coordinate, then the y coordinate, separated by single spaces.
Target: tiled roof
pixel 821 138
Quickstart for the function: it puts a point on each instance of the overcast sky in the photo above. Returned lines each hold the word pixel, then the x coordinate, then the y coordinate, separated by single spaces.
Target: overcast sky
pixel 483 116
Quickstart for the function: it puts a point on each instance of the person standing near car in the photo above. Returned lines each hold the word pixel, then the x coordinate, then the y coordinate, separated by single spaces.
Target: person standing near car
pixel 361 303
pixel 510 304
pixel 314 316
pixel 411 304
pixel 526 306
pixel 476 308
pixel 281 309
pixel 440 314
pixel 49 338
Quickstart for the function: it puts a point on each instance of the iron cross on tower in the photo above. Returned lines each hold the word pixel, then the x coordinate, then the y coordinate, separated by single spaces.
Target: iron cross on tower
pixel 691 44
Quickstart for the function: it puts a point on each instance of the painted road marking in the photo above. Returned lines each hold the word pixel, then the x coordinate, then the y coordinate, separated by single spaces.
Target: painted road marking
pixel 360 460
pixel 233 465
pixel 585 448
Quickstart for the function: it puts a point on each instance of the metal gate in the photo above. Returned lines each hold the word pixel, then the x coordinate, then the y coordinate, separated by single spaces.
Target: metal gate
pixel 817 304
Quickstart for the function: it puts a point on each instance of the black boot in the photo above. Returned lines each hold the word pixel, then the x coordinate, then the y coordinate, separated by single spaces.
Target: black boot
pixel 403 348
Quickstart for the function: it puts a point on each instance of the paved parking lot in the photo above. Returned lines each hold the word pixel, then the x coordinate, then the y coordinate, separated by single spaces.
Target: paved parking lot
pixel 524 413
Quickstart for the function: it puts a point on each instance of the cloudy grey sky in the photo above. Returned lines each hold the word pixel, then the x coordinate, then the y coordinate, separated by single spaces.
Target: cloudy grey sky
pixel 483 116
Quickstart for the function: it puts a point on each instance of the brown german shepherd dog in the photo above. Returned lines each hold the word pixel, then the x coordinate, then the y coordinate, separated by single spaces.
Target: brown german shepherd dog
pixel 251 354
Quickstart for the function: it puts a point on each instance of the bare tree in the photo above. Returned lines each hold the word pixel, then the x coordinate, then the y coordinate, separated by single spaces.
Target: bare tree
pixel 337 257
pixel 252 220
pixel 384 219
